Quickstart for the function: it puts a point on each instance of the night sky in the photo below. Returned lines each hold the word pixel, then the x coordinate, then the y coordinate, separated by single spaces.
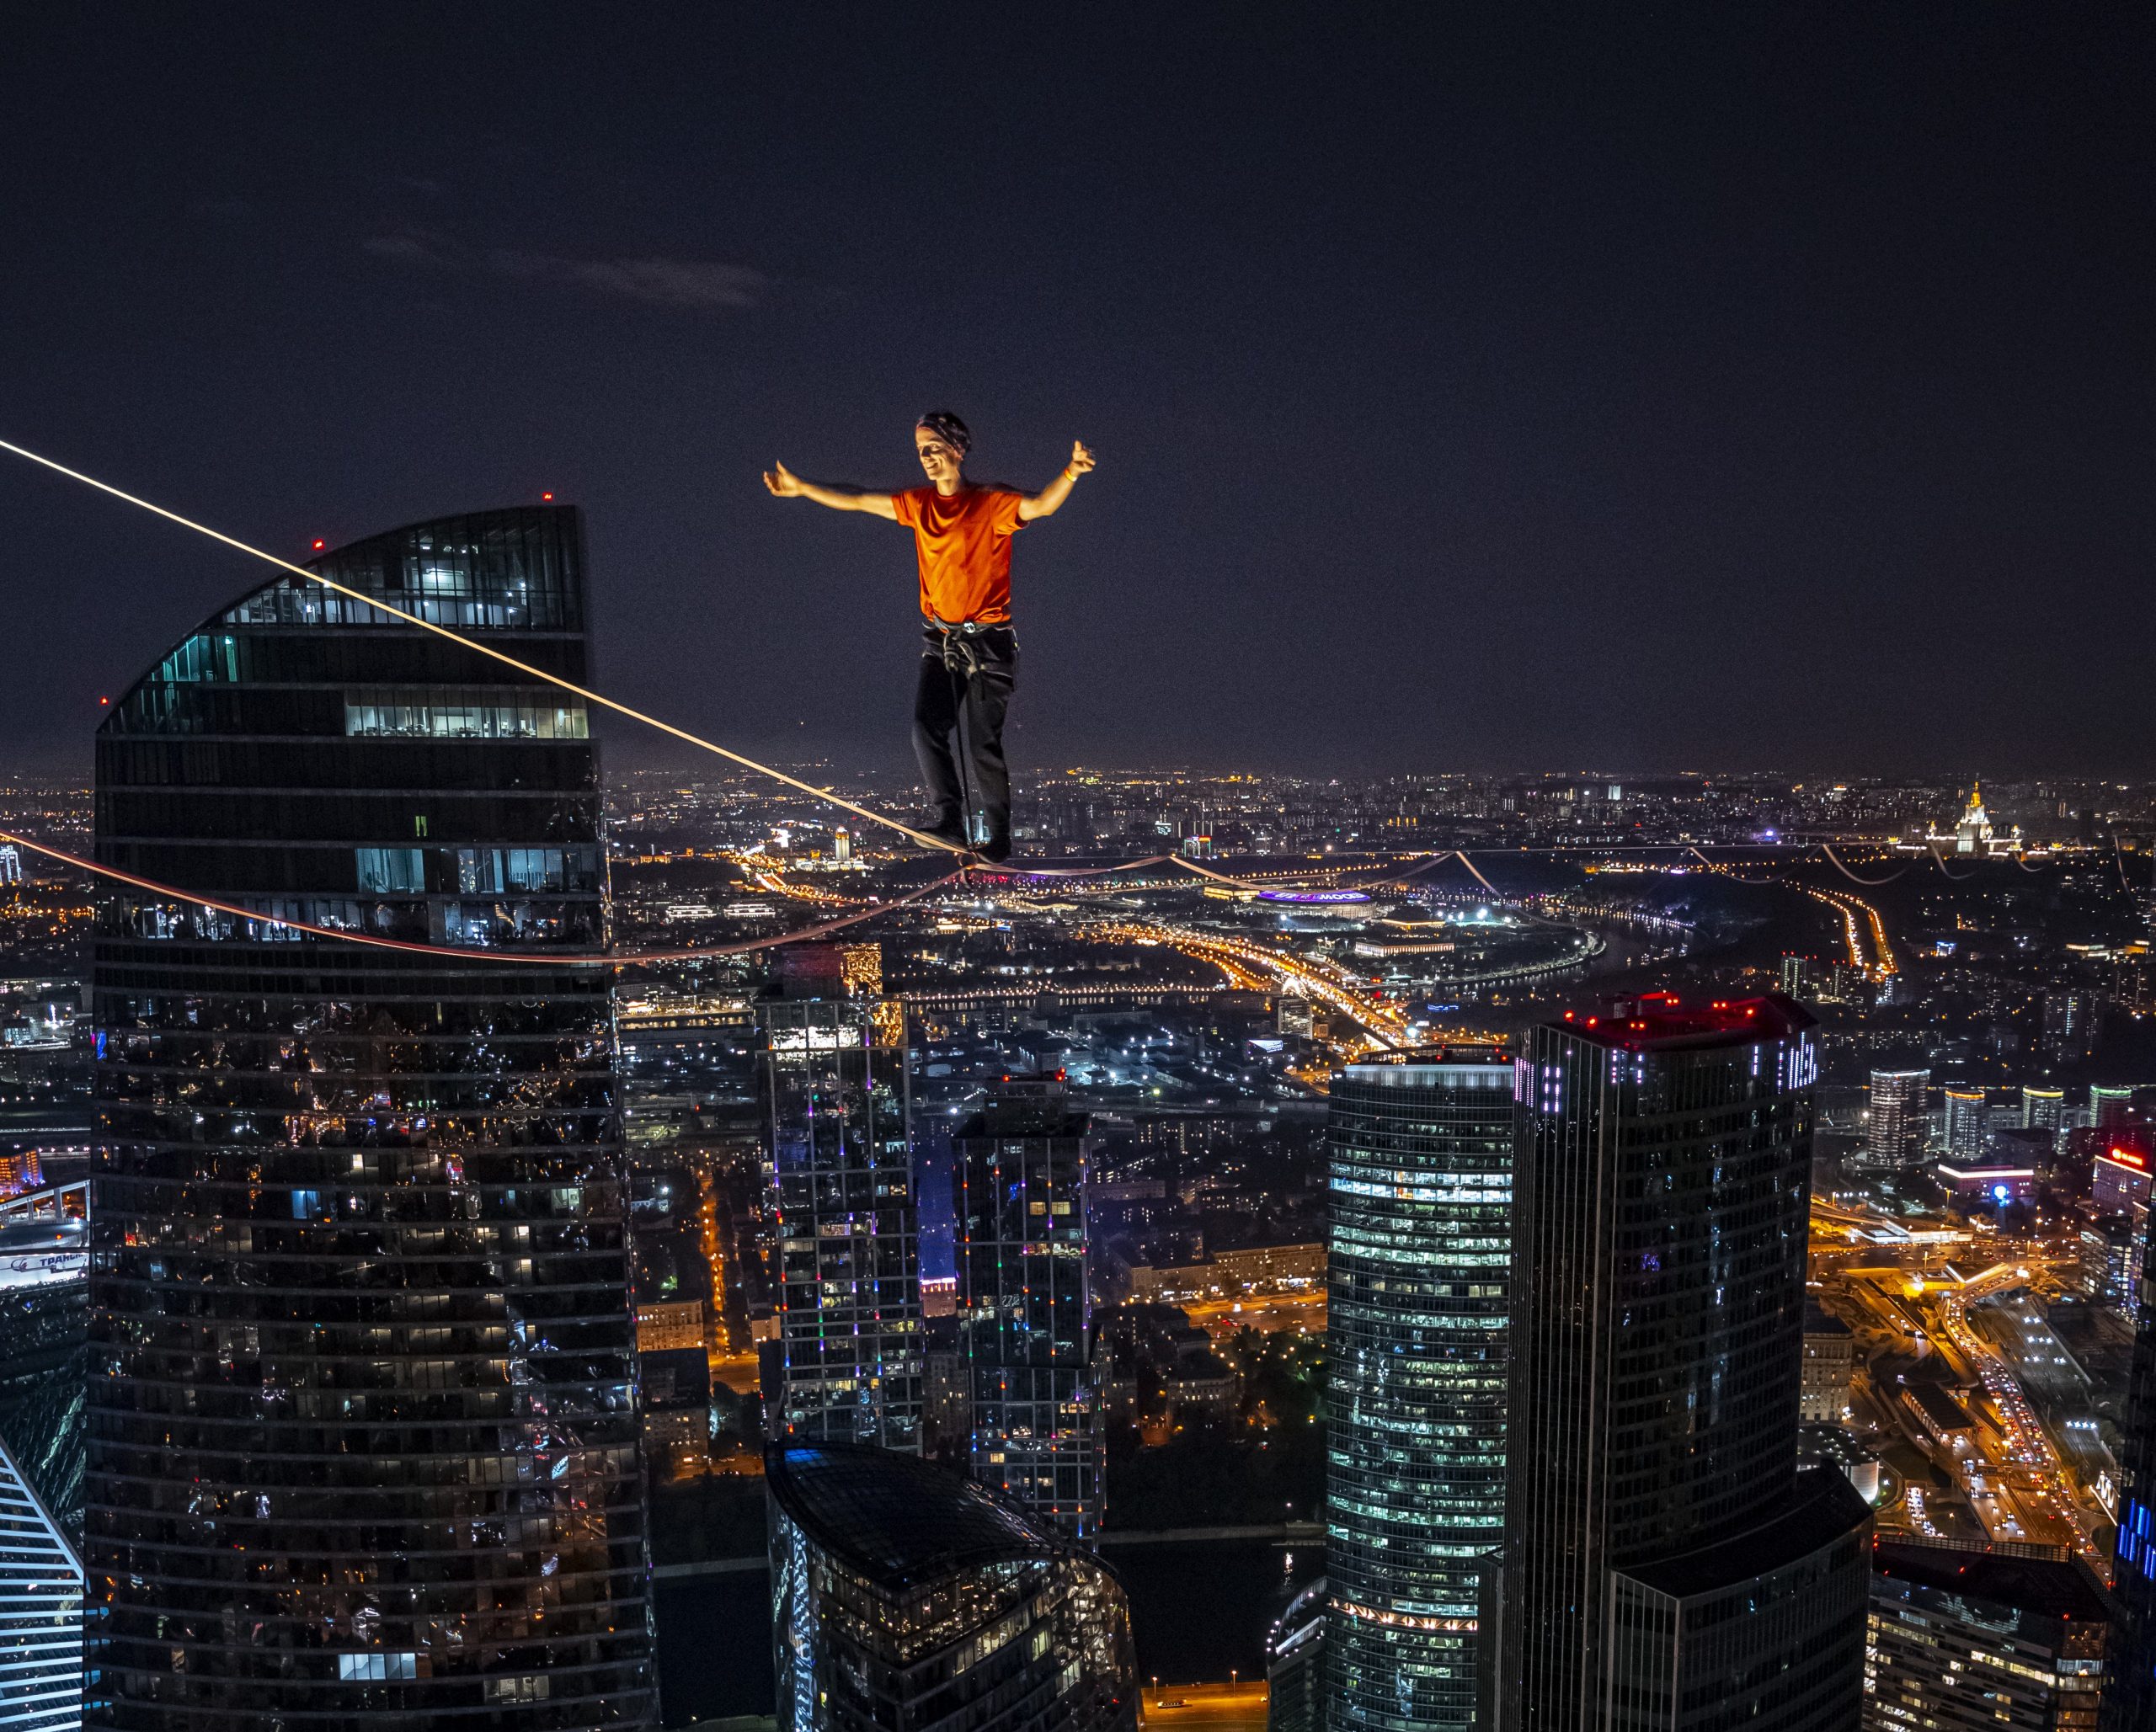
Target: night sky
pixel 1638 388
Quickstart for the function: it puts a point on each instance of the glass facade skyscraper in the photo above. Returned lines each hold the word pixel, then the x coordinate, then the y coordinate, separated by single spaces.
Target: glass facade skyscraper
pixel 1024 1317
pixel 1667 1562
pixel 2130 1684
pixel 1418 1266
pixel 44 1358
pixel 363 1429
pixel 907 1596
pixel 847 1364
pixel 43 1318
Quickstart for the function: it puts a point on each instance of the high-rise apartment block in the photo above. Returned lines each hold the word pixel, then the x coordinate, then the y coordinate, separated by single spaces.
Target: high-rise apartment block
pixel 2042 1109
pixel 1962 1138
pixel 1894 1130
pixel 2110 1103
pixel 846 1364
pixel 362 1411
pixel 1024 1318
pixel 1668 1563
pixel 1419 1265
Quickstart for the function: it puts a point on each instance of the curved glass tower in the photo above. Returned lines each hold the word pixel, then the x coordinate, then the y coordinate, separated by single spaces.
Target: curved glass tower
pixel 362 1423
pixel 1421 1156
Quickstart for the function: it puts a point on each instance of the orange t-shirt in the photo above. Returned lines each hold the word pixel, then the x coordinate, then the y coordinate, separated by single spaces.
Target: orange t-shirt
pixel 964 543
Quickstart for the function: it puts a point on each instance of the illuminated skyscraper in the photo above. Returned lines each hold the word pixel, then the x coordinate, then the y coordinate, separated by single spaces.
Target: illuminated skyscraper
pixel 2110 1103
pixel 2130 1687
pixel 1667 1562
pixel 847 1364
pixel 43 1314
pixel 1023 1313
pixel 2042 1109
pixel 1894 1132
pixel 1963 1133
pixel 1418 1267
pixel 363 1429
pixel 904 1596
pixel 44 1358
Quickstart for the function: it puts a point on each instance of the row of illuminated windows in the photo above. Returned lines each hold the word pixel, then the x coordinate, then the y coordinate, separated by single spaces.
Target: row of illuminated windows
pixel 423 713
pixel 466 925
pixel 384 871
pixel 433 600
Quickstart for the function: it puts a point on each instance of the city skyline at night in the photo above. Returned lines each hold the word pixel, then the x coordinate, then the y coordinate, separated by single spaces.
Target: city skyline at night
pixel 1234 870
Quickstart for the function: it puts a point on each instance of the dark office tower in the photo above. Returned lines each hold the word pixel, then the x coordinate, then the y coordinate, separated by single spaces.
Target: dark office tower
pixel 1294 1663
pixel 1024 1321
pixel 2130 1686
pixel 362 1415
pixel 847 1364
pixel 1420 1154
pixel 907 1598
pixel 1668 1564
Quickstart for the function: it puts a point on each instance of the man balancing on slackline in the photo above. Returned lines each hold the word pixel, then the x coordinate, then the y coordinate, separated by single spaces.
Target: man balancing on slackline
pixel 970 656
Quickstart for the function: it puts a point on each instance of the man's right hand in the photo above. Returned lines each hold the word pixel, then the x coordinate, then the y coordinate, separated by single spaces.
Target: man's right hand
pixel 785 484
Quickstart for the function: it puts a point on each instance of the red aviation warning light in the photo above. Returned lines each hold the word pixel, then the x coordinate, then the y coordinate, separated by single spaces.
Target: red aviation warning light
pixel 319 544
pixel 545 499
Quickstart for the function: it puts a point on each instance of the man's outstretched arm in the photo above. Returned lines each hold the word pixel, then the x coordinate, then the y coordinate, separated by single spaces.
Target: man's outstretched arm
pixel 1049 499
pixel 785 484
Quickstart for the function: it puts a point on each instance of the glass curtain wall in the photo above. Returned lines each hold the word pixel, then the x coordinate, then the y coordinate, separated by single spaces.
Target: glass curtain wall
pixel 1420 1154
pixel 362 1418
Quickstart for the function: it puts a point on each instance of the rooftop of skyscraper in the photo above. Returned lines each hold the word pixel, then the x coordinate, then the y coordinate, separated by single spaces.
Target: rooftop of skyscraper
pixel 1658 1022
pixel 896 1519
pixel 1437 1055
pixel 2048 1587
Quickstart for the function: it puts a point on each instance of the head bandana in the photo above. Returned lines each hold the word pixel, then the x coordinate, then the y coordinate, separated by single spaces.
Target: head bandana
pixel 948 427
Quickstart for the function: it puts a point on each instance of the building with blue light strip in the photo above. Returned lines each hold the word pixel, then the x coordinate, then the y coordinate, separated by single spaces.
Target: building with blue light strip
pixel 2130 1684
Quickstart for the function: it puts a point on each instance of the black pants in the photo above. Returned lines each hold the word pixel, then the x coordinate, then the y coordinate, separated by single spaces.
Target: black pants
pixel 939 700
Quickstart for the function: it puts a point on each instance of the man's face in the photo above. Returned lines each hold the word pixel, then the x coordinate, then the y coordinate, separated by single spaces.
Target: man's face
pixel 938 462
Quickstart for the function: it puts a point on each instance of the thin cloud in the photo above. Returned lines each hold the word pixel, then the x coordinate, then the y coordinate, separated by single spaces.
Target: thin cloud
pixel 697 284
pixel 405 250
pixel 656 282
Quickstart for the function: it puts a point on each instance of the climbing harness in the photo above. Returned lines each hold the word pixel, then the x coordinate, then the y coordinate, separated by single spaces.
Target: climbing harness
pixel 960 645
